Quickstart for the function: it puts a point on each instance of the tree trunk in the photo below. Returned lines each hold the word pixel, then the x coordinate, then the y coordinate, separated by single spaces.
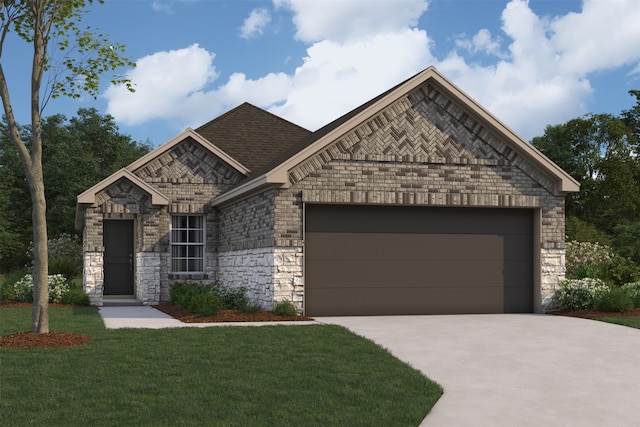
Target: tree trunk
pixel 40 310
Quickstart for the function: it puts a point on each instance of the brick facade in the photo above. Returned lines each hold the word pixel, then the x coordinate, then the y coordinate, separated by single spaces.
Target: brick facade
pixel 190 177
pixel 423 149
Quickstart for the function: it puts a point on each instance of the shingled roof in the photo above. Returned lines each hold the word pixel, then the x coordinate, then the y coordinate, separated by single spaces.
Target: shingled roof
pixel 275 172
pixel 252 136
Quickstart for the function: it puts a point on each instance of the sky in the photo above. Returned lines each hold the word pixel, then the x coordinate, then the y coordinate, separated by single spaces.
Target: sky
pixel 530 63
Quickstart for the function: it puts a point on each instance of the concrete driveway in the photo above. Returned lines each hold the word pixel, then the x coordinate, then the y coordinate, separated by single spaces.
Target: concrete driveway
pixel 517 370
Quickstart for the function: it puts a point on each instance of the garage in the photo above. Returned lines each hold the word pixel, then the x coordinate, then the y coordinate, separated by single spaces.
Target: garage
pixel 392 260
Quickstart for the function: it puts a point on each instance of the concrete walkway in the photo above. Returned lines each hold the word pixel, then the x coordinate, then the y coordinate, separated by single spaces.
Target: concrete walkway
pixel 517 370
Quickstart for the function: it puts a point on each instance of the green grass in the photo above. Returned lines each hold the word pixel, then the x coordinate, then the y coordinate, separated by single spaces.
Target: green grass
pixel 631 321
pixel 311 375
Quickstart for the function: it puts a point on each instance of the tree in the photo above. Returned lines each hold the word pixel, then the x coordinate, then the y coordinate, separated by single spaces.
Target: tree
pixel 73 59
pixel 598 151
pixel 90 144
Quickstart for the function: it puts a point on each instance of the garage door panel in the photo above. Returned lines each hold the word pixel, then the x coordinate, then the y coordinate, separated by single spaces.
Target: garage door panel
pixel 412 220
pixel 372 246
pixel 518 247
pixel 406 273
pixel 417 260
pixel 385 301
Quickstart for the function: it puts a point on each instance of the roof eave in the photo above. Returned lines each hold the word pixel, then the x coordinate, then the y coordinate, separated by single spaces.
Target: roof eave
pixel 189 133
pixel 88 197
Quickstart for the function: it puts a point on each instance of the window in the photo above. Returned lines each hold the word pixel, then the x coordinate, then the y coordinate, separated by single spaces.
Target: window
pixel 187 244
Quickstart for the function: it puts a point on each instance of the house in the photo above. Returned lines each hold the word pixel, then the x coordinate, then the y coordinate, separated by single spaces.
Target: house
pixel 417 202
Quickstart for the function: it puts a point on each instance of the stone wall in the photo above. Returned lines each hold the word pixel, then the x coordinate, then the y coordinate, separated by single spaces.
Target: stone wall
pixel 552 274
pixel 93 276
pixel 268 274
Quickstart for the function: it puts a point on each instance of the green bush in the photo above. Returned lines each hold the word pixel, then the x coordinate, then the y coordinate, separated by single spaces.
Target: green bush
pixel 614 300
pixel 285 308
pixel 251 308
pixel 633 291
pixel 597 261
pixel 7 290
pixel 75 296
pixel 579 294
pixel 65 255
pixel 620 270
pixel 232 298
pixel 626 240
pixel 586 259
pixel 182 294
pixel 205 304
pixel 23 288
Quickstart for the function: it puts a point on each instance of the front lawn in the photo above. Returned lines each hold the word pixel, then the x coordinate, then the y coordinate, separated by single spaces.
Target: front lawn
pixel 313 375
pixel 631 321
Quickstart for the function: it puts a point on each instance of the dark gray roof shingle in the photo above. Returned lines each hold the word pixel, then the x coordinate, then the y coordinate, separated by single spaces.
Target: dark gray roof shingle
pixel 252 136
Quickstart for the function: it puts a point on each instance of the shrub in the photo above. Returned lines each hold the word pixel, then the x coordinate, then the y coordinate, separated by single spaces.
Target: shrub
pixel 232 298
pixel 75 296
pixel 251 308
pixel 182 294
pixel 579 294
pixel 7 289
pixel 285 308
pixel 626 240
pixel 23 288
pixel 65 255
pixel 597 261
pixel 586 259
pixel 614 300
pixel 619 271
pixel 633 291
pixel 205 304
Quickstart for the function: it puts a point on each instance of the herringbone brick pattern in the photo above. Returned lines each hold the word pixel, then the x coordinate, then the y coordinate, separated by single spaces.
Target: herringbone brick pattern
pixel 188 162
pixel 422 133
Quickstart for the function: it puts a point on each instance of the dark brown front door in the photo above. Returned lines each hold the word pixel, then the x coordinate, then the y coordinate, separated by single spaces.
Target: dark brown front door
pixel 118 257
pixel 377 260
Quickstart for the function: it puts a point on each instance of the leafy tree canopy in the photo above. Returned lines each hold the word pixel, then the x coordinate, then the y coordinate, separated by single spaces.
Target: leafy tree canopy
pixel 77 153
pixel 601 151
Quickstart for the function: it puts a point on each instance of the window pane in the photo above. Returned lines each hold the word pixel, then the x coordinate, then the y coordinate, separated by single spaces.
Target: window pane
pixel 195 222
pixel 187 243
pixel 195 265
pixel 178 264
pixel 195 236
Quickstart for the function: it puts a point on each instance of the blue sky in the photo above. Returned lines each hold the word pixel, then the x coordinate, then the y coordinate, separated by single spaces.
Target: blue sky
pixel 531 63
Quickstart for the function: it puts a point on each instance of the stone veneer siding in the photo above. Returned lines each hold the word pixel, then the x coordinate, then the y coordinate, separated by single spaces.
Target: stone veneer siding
pixel 269 274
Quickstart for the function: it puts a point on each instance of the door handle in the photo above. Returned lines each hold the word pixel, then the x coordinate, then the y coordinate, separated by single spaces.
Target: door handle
pixel 130 262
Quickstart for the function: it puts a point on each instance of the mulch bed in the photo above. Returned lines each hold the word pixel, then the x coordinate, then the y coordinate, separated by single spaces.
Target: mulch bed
pixel 224 315
pixel 48 340
pixel 64 339
pixel 35 340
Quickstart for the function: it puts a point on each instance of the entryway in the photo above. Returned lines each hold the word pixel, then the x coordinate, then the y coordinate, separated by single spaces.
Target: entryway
pixel 118 257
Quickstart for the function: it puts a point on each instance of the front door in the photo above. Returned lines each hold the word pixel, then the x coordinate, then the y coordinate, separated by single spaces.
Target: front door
pixel 118 257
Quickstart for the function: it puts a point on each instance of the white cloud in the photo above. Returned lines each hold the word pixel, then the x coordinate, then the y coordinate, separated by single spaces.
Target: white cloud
pixel 481 42
pixel 336 78
pixel 342 21
pixel 358 49
pixel 161 6
pixel 255 23
pixel 162 82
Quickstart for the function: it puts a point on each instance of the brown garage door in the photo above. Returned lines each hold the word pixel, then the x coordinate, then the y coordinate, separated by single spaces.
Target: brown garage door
pixel 377 260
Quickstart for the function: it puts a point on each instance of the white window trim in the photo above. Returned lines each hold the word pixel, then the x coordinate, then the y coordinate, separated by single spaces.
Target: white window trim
pixel 203 244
